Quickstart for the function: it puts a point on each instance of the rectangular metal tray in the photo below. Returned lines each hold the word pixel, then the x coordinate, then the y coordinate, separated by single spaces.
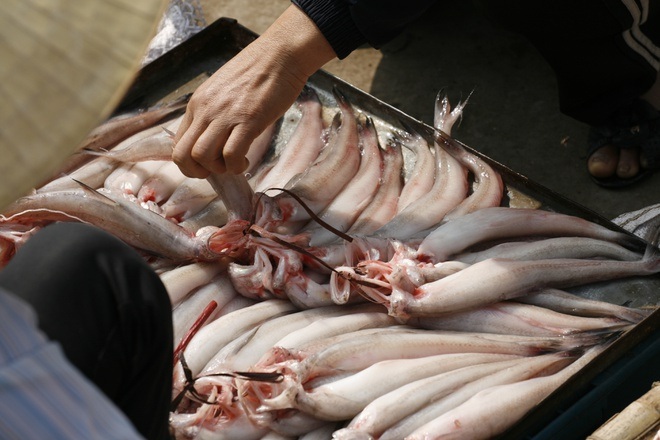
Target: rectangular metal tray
pixel 186 66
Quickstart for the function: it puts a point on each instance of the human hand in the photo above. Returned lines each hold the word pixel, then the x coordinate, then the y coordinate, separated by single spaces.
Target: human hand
pixel 250 92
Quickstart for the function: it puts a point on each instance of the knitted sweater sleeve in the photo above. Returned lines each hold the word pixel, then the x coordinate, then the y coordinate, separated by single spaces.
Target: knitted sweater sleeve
pixel 348 24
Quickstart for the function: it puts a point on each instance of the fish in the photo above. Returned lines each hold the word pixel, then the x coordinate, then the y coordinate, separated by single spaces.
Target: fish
pixel 497 279
pixel 182 280
pixel 223 330
pixel 488 186
pixel 557 247
pixel 499 223
pixel 139 227
pixel 219 290
pixel 344 398
pixel 518 319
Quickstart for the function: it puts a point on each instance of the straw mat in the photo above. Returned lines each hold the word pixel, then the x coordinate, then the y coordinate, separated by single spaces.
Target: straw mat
pixel 65 66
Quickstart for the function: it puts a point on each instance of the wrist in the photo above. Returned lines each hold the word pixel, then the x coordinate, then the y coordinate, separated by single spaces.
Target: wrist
pixel 297 44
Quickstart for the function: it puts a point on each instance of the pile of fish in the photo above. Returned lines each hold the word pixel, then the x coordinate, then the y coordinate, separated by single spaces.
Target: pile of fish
pixel 358 282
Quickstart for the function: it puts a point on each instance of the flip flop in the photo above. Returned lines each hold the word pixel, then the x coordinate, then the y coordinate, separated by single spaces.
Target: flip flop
pixel 636 126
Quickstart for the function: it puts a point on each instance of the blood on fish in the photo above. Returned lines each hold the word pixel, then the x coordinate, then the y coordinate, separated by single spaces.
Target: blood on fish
pixel 194 329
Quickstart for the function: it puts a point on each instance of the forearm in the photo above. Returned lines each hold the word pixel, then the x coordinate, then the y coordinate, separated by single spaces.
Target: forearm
pixel 295 42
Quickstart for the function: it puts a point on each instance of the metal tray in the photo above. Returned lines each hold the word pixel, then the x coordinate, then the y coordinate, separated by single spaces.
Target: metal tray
pixel 186 66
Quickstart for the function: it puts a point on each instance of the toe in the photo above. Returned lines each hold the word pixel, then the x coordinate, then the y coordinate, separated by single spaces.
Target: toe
pixel 603 162
pixel 628 165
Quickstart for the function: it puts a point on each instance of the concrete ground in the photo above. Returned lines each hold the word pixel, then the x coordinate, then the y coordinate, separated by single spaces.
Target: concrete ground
pixel 512 115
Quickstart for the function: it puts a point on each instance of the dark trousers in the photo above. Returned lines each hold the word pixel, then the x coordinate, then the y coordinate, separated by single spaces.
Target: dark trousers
pixel 604 55
pixel 109 311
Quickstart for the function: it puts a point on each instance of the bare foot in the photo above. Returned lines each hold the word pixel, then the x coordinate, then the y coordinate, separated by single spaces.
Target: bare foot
pixel 603 162
pixel 609 161
pixel 628 163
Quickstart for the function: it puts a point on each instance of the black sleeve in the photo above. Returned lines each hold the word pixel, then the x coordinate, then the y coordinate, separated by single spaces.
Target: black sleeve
pixel 347 24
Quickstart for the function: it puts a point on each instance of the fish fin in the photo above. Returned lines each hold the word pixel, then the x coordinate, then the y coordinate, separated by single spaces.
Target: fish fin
pixel 651 253
pixel 102 152
pixel 170 133
pixel 94 193
pixel 652 258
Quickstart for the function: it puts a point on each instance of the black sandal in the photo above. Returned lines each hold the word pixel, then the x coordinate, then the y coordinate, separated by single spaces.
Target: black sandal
pixel 636 126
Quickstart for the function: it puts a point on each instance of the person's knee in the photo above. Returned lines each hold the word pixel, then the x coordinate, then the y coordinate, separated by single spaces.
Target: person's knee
pixel 78 238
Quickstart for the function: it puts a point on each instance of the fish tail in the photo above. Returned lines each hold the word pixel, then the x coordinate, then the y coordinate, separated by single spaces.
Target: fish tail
pixel 652 258
pixel 601 335
pixel 308 94
pixel 576 341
